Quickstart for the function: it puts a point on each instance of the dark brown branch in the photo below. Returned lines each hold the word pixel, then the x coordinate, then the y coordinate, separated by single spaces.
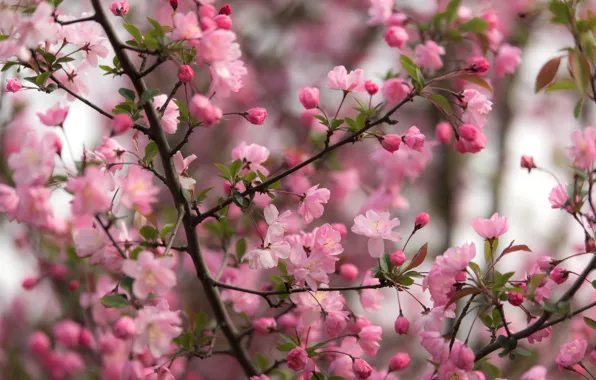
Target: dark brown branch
pixel 107 231
pixel 150 69
pixel 70 22
pixel 183 142
pixel 266 293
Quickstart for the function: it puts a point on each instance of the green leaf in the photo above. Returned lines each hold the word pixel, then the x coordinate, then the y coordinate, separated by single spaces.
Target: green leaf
pixel 134 32
pixel 547 73
pixel 126 284
pixel 156 26
pixel 577 110
pixel 385 263
pixel 322 119
pixel 127 93
pixel 580 70
pixel 451 10
pixel 475 25
pixel 165 231
pixel 262 361
pixel 535 281
pixel 405 280
pixel 135 253
pixel 250 176
pixel 561 85
pixel 225 171
pixel 411 68
pixel 235 168
pixel 201 321
pixel 561 12
pixel 42 78
pixel 507 343
pixel 476 269
pixel 336 123
pixel 489 250
pixel 441 102
pixel 590 322
pixel 486 320
pixel 151 151
pixel 492 370
pixel 240 248
pixel 114 300
pixel 148 95
pixel 594 284
pixel 149 233
pixel 288 346
pixel 8 65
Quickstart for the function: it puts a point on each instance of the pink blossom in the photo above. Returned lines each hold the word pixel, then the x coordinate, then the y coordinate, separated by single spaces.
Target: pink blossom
pixel 267 256
pixel 121 123
pixel 219 45
pixel 379 11
pixel 264 326
pixel 297 359
pixel 443 132
pixel 348 271
pixel 572 353
pixel 507 59
pixel 398 258
pixel 223 22
pixel 34 206
pixel 396 36
pixel 9 201
pixel 370 299
pixel 67 333
pixel 39 343
pixel 476 106
pixel 429 54
pixel 119 8
pixel 185 73
pixel 477 64
pixel 278 224
pixel 391 142
pixel 540 334
pixel 311 206
pixel 186 27
pixel 527 162
pixel 583 151
pixel 309 97
pixel 335 323
pixel 361 369
pixel 559 275
pixel 491 228
pixel 37 27
pixel 377 227
pixel 437 346
pixel 394 90
pixel 339 79
pixel 558 197
pixel 471 141
pixel 401 325
pixel 169 120
pixel 151 274
pixel 371 87
pixel 201 108
pixel 399 361
pixel 54 116
pixel 92 192
pixel 156 326
pixel 137 189
pixel 181 165
pixel 516 299
pixel 462 356
pixel 125 328
pixel 226 77
pixel 414 139
pixel 13 85
pixel 422 220
pixel 369 338
pixel 112 153
pixel 252 156
pixel 256 116
pixel 34 163
pixel 538 372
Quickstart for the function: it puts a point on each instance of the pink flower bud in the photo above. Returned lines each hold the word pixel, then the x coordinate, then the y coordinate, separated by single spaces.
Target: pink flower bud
pixel 39 343
pixel 477 65
pixel 400 361
pixel 13 85
pixel 223 22
pixel 401 325
pixel 334 324
pixel 461 276
pixel 86 339
pixel 398 258
pixel 559 275
pixel 414 139
pixel 515 299
pixel 108 344
pixel 396 37
pixel 73 285
pixel 341 228
pixel 59 272
pixel 462 356
pixel 174 4
pixel 545 263
pixel 592 357
pixel 185 73
pixel 121 123
pixel 72 362
pixel 207 24
pixel 256 116
pixel 225 9
pixel 119 8
pixel 30 283
pixel 443 132
pixel 287 321
pixel 67 333
pixel 297 359
pixel 371 87
pixel 264 326
pixel 421 220
pixel 349 272
pixel 207 10
pixel 124 328
pixel 468 132
pixel 309 97
pixel 56 142
pixel 527 162
pixel 361 369
pixel 391 142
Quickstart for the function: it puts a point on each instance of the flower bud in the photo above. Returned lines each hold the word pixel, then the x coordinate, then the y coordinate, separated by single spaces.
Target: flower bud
pixel 30 283
pixel 468 132
pixel 264 326
pixel 174 4
pixel 223 22
pixel 349 272
pixel 86 339
pixel 309 97
pixel 545 263
pixel 527 162
pixel 515 299
pixel 371 87
pixel 559 275
pixel 67 333
pixel 477 65
pixel 443 132
pixel 400 361
pixel 401 325
pixel 287 321
pixel 396 37
pixel 13 85
pixel 592 357
pixel 185 73
pixel 391 142
pixel 361 369
pixel 121 123
pixel 225 9
pixel 207 10
pixel 461 276
pixel 297 359
pixel 398 258
pixel 39 343
pixel 73 285
pixel 124 328
pixel 341 228
pixel 421 220
pixel 119 8
pixel 256 116
pixel 59 272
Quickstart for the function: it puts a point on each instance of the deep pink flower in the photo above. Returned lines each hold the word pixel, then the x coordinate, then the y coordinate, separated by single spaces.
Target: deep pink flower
pixel 186 27
pixel 54 116
pixel 398 258
pixel 429 54
pixel 507 59
pixel 422 220
pixel 151 274
pixel 124 328
pixel 369 338
pixel 309 97
pixel 201 108
pixel 223 22
pixel 120 8
pixel 311 206
pixel 297 359
pixel 339 79
pixel 491 228
pixel 371 87
pixel 462 356
pixel 396 36
pixel 39 343
pixel 572 353
pixel 256 116
pixel 558 197
pixel 137 189
pixel 361 369
pixel 264 326
pixel 394 90
pixel 516 299
pixel 13 85
pixel 583 150
pixel 414 139
pixel 92 192
pixel 377 227
pixel 391 142
pixel 471 141
pixel 527 162
pixel 67 333
pixel 169 120
pixel 399 361
pixel 477 64
pixel 348 271
pixel 156 326
pixel 559 275
pixel 185 73
pixel 401 325
pixel 121 123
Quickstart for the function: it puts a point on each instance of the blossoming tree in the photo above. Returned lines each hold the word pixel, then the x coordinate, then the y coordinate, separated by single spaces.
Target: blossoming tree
pixel 165 271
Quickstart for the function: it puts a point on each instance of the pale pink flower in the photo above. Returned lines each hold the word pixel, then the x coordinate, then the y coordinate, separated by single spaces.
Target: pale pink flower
pixel 448 370
pixel 9 201
pixel 169 120
pixel 88 36
pixel 252 157
pixel 137 189
pixel 539 335
pixel 394 90
pixel 201 108
pixel 311 206
pixel 433 319
pixel 37 27
pixel 436 345
pixel 89 241
pixel 151 274
pixel 377 227
pixel 278 224
pixel 112 153
pixel 264 326
pixel 34 206
pixel 370 299
pixel 267 256
pixel 181 165
pixel 335 323
pixel 400 361
pixel 379 11
pixel 558 196
pixel 92 192
pixel 476 106
pixel 429 54
pixel 226 77
pixel 74 78
pixel 369 338
pixel 342 364
pixel 119 8
pixel 507 59
pixel 583 150
pixel 219 46
pixel 34 163
pixel 462 356
pixel 414 139
pixel 538 372
pixel 491 228
pixel 339 79
pixel 156 326
pixel 186 27
pixel 572 353
pixel 54 116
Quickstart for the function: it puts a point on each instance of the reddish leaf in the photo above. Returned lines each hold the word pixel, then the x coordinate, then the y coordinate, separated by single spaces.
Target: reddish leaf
pixel 461 294
pixel 476 80
pixel 418 257
pixel 547 73
pixel 515 248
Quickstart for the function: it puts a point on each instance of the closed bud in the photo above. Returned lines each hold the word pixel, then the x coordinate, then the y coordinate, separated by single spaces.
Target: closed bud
pixel 398 258
pixel 468 132
pixel 309 97
pixel 185 73
pixel 515 299
pixel 256 116
pixel 401 325
pixel 121 123
pixel 559 275
pixel 39 343
pixel 477 65
pixel 400 361
pixel 371 87
pixel 361 369
pixel 527 162
pixel 264 326
pixel 421 220
pixel 207 10
pixel 349 272
pixel 461 276
pixel 174 4
pixel 73 285
pixel 86 339
pixel 444 132
pixel 396 37
pixel 30 283
pixel 13 85
pixel 223 22
pixel 391 142
pixel 225 9
pixel 124 328
pixel 341 228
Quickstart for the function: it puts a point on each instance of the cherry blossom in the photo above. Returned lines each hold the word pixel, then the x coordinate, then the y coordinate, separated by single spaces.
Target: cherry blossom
pixel 377 227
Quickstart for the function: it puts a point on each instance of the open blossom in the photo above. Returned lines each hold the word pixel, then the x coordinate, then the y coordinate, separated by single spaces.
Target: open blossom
pixel 137 189
pixel 297 359
pixel 112 153
pixel 379 11
pixel 252 157
pixel 34 206
pixel 8 201
pixel 219 45
pixel 151 274
pixel 572 353
pixel 92 191
pixel 583 150
pixel 54 116
pixel 120 8
pixel 156 326
pixel 538 372
pixel 186 27
pixel 491 228
pixel 278 224
pixel 540 334
pixel 201 108
pixel 34 163
pixel 476 106
pixel 369 338
pixel 429 54
pixel 311 206
pixel 226 77
pixel 472 140
pixel 267 256
pixel 169 120
pixel 370 298
pixel 13 85
pixel 394 90
pixel 414 139
pixel 181 165
pixel 558 196
pixel 507 59
pixel 339 79
pixel 89 241
pixel 377 227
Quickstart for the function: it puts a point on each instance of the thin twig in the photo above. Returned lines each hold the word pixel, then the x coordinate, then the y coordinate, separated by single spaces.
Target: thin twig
pixel 175 230
pixel 107 231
